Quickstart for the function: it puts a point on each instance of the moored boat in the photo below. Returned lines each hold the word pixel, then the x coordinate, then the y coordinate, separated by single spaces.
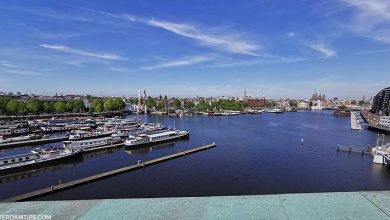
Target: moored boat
pixel 157 137
pixel 36 157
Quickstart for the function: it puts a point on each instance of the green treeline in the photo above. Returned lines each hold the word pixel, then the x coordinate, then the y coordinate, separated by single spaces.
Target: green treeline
pixel 11 106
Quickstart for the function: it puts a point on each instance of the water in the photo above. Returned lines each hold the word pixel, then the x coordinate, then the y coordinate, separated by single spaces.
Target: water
pixel 255 154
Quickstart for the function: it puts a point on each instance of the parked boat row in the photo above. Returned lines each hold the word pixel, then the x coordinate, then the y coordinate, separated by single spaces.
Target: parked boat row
pixel 37 156
pixel 124 132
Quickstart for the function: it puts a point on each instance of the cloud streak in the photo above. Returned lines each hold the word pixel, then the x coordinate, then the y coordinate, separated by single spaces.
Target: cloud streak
pixel 232 44
pixel 370 19
pixel 227 42
pixel 74 51
pixel 177 63
pixel 325 50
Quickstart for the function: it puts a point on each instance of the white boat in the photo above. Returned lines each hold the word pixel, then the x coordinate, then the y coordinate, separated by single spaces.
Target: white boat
pixel 275 110
pixel 317 107
pixel 91 143
pixel 381 152
pixel 37 156
pixel 158 137
pixel 83 134
pixel 20 138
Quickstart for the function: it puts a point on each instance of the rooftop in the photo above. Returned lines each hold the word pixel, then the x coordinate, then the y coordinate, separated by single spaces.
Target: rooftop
pixel 348 205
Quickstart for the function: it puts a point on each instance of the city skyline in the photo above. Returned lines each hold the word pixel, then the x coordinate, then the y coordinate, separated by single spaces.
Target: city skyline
pixel 214 48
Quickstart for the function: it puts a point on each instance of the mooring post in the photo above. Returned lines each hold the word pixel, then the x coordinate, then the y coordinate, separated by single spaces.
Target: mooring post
pixel 350 149
pixel 338 147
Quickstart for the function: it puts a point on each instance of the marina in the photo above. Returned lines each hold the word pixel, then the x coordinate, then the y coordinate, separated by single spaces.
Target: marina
pixel 105 174
pixel 100 157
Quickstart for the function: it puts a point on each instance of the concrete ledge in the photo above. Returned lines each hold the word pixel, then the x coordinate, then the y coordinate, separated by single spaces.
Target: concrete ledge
pixel 351 205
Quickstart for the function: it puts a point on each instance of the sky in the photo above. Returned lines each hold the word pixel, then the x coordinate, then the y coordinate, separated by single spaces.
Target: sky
pixel 271 48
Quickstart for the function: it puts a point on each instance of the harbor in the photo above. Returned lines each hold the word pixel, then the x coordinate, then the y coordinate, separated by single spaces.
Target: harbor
pixel 261 148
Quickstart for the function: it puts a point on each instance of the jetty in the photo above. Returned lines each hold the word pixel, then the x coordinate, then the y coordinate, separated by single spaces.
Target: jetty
pixel 84 180
pixel 32 142
pixel 351 149
pixel 355 125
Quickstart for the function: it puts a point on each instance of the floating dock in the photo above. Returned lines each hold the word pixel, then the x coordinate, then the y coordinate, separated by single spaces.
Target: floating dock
pixel 32 142
pixel 140 165
pixel 355 125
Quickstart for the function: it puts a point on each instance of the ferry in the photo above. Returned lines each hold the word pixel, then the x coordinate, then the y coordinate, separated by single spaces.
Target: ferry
pixel 36 157
pixel 92 143
pixel 164 135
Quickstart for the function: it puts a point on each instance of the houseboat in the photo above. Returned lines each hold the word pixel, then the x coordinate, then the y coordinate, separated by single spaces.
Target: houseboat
pixel 157 137
pixel 36 157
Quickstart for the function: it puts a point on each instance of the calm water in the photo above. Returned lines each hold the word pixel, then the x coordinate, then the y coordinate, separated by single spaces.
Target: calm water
pixel 255 154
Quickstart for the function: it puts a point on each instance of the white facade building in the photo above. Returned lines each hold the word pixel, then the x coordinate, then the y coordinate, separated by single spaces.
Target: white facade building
pixel 384 121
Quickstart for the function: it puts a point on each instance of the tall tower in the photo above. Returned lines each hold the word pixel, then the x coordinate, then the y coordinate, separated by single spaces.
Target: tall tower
pixel 146 107
pixel 139 102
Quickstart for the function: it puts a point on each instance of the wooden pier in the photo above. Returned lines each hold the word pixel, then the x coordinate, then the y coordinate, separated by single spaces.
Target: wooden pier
pixel 355 125
pixel 32 142
pixel 84 180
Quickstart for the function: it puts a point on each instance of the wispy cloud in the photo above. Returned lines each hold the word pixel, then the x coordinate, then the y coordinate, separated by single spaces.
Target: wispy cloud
pixel 369 18
pixel 222 41
pixel 232 44
pixel 322 48
pixel 6 63
pixel 69 50
pixel 22 72
pixel 182 62
pixel 254 62
pixel 122 69
pixel 372 51
pixel 55 36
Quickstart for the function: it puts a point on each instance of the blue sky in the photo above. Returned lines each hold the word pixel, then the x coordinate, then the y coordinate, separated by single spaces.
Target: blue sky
pixel 271 48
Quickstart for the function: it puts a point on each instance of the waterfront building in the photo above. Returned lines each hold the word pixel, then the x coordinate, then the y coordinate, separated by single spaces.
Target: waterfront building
pixel 303 105
pixel 255 102
pixel 381 102
pixel 384 121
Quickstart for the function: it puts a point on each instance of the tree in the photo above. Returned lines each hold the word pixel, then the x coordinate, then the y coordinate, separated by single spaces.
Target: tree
pixel 34 105
pixel 12 107
pixel 118 104
pixel 160 105
pixel 189 104
pixel 176 104
pixel 203 106
pixel 97 105
pixel 109 105
pixel 293 103
pixel 22 108
pixel 78 105
pixel 69 106
pixel 151 102
pixel 48 107
pixel 60 107
pixel 3 104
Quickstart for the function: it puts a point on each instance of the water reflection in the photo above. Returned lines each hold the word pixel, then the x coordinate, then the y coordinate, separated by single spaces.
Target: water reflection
pixel 26 173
